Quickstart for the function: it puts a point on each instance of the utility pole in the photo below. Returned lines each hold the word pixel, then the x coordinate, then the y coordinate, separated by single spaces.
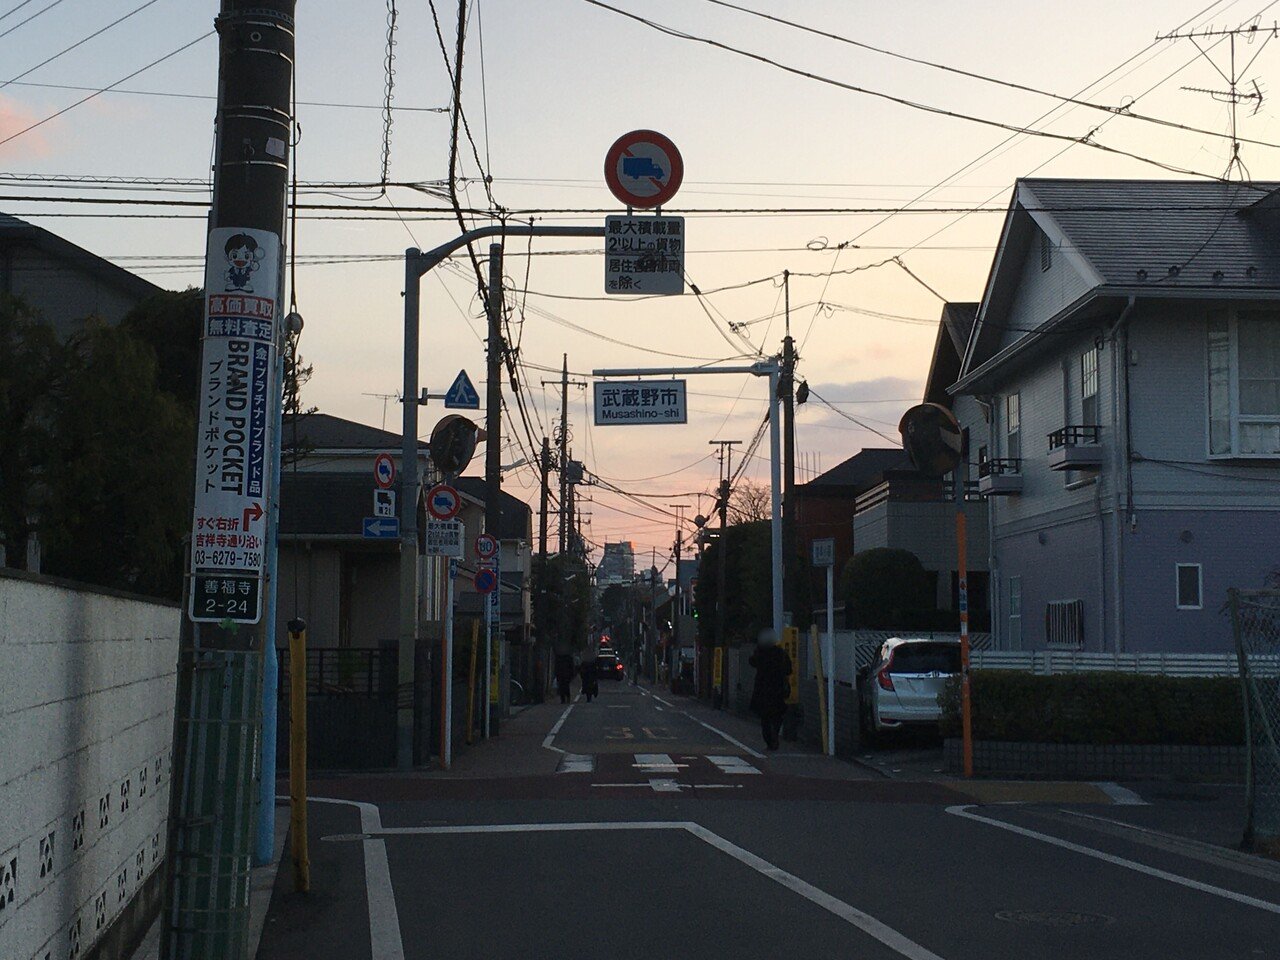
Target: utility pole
pixel 493 478
pixel 677 605
pixel 213 800
pixel 722 505
pixel 786 387
pixel 540 601
pixel 566 509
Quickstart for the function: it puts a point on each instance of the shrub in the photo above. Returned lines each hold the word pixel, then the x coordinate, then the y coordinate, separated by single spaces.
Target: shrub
pixel 887 589
pixel 1114 708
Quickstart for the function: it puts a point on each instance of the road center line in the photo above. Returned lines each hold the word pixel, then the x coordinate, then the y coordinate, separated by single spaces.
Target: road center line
pixel 964 811
pixel 868 924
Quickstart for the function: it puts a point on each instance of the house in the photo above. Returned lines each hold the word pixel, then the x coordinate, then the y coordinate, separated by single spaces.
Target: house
pixel 515 555
pixel 62 282
pixel 1127 354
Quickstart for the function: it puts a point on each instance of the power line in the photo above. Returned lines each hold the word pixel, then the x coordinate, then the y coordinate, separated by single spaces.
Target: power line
pixel 173 95
pixel 23 23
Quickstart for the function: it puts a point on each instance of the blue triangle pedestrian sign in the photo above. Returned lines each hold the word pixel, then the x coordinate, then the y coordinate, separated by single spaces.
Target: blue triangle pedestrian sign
pixel 462 395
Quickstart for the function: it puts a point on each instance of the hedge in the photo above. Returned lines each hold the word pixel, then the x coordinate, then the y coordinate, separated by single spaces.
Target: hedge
pixel 1116 708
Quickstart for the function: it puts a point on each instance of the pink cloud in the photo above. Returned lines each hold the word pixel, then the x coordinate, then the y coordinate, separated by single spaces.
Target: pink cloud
pixel 15 117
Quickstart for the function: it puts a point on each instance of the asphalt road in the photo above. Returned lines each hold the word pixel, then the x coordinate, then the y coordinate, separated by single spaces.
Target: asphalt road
pixel 657 829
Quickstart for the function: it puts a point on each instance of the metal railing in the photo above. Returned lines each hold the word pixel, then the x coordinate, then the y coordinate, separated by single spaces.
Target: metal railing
pixel 1000 467
pixel 344 671
pixel 1075 436
pixel 1255 621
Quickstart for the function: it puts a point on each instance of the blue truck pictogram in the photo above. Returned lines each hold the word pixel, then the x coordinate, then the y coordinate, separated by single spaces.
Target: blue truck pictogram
pixel 639 167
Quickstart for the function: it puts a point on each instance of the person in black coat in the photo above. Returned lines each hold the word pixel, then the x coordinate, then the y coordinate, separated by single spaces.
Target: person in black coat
pixel 564 675
pixel 772 686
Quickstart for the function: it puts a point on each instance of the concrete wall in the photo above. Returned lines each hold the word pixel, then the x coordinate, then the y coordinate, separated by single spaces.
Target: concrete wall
pixel 87 686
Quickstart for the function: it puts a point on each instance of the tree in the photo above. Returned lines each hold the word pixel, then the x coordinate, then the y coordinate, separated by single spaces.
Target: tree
pixel 887 589
pixel 561 602
pixel 750 502
pixel 748 607
pixel 30 378
pixel 169 323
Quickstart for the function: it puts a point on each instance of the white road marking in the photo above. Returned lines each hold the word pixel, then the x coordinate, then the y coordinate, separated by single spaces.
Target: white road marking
pixel 868 924
pixel 664 786
pixel 577 763
pixel 547 741
pixel 657 763
pixel 964 811
pixel 733 765
pixel 1121 796
pixel 665 703
pixel 733 740
pixel 384 921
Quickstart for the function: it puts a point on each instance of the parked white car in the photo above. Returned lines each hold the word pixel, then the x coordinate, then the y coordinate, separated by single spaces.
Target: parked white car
pixel 901 687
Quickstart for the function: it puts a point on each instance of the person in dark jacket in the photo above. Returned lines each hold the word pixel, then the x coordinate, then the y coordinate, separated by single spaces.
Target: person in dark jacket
pixel 769 694
pixel 591 671
pixel 564 675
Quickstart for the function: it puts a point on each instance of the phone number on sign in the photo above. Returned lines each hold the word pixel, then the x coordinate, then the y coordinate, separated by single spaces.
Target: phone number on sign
pixel 227 559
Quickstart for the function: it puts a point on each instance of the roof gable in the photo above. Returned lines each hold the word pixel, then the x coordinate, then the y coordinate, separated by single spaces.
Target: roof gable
pixel 954 328
pixel 19 233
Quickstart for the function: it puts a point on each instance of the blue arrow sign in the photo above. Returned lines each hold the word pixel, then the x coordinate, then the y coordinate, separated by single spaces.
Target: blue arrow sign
pixel 462 395
pixel 382 528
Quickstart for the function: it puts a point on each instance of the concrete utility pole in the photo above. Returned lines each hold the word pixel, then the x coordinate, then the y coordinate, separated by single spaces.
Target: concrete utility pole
pixel 213 800
pixel 787 389
pixel 722 506
pixel 493 468
pixel 677 604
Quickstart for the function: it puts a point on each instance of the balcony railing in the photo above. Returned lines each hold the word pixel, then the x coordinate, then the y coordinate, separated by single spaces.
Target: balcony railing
pixel 972 491
pixel 1000 477
pixel 1076 448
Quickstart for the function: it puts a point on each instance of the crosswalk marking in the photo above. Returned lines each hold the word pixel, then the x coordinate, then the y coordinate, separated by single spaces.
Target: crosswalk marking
pixel 733 765
pixel 657 763
pixel 577 763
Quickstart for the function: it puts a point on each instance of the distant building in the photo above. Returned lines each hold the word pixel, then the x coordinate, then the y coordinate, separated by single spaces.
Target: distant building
pixel 617 564
pixel 62 282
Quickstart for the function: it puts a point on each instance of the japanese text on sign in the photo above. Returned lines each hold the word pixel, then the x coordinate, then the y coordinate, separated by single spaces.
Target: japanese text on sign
pixel 444 538
pixel 238 377
pixel 644 255
pixel 640 401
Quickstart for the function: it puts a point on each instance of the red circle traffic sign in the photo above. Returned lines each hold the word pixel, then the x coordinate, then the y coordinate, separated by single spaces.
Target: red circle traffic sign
pixel 443 502
pixel 643 169
pixel 486 546
pixel 486 580
pixel 384 471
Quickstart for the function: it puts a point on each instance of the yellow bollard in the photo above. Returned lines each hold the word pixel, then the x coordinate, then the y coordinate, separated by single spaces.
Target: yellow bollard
pixel 298 755
pixel 471 681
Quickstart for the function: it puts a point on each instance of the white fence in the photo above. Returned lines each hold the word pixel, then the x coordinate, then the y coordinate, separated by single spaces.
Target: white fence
pixel 1075 661
pixel 86 723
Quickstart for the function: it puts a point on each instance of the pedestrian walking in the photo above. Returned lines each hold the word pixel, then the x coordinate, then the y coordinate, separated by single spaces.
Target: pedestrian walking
pixel 772 686
pixel 564 676
pixel 590 671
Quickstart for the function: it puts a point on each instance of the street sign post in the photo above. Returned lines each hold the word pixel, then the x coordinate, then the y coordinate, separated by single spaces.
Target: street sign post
pixel 233 471
pixel 462 395
pixel 444 538
pixel 384 471
pixel 443 502
pixel 381 528
pixel 644 255
pixel 631 402
pixel 643 169
pixel 824 555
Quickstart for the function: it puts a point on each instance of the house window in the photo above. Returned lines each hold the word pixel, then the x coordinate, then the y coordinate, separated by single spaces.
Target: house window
pixel 1013 426
pixel 1015 613
pixel 1190 580
pixel 1244 383
pixel 1089 387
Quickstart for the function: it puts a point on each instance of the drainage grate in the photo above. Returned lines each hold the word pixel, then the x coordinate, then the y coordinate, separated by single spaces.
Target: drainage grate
pixel 1055 918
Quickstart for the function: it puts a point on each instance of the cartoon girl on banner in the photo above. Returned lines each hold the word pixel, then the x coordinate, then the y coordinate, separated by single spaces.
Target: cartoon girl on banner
pixel 243 258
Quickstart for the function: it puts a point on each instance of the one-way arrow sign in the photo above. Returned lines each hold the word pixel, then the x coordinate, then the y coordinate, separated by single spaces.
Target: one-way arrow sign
pixel 382 528
pixel 462 395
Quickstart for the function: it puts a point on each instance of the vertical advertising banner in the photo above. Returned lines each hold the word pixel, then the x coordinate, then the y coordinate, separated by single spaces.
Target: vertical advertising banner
pixel 237 382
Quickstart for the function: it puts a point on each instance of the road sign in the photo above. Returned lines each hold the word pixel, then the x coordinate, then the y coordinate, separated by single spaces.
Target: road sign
pixel 453 444
pixel 621 402
pixel 443 502
pixel 823 552
pixel 486 580
pixel 233 468
pixel 644 254
pixel 444 538
pixel 462 395
pixel 384 503
pixel 643 169
pixel 486 546
pixel 384 470
pixel 381 528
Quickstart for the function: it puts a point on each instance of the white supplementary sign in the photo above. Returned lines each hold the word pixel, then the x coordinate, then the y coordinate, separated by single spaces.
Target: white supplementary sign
pixel 444 538
pixel 640 402
pixel 384 503
pixel 644 254
pixel 824 552
pixel 233 469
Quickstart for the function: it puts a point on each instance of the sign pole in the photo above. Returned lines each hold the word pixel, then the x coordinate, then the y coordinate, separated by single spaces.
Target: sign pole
pixel 830 656
pixel 966 706
pixel 487 699
pixel 775 483
pixel 446 751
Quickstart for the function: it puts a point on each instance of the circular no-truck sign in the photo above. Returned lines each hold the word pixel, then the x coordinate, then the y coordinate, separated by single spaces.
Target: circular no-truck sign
pixel 486 546
pixel 443 502
pixel 486 580
pixel 384 471
pixel 643 169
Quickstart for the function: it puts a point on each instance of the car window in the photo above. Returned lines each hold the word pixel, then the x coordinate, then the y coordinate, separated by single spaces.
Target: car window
pixel 926 658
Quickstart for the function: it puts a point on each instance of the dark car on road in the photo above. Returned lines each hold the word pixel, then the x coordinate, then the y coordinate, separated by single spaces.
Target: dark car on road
pixel 608 666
